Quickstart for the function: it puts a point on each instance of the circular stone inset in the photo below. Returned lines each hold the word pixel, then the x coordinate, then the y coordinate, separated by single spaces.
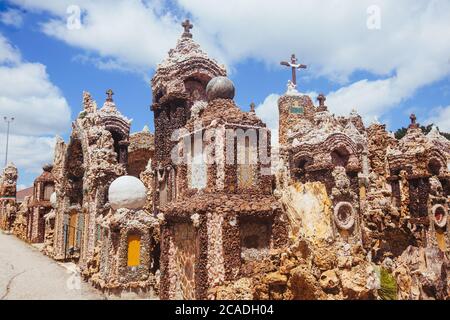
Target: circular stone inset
pixel 439 215
pixel 127 192
pixel 53 200
pixel 344 215
pixel 220 88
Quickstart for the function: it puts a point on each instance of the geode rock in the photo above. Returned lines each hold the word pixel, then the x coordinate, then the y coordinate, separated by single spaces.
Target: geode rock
pixel 220 88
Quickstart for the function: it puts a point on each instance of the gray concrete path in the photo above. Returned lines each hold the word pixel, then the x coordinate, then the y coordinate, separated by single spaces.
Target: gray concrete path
pixel 25 273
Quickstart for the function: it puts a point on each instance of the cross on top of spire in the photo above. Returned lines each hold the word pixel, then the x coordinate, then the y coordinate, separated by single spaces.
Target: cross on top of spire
pixel 109 95
pixel 294 66
pixel 413 121
pixel 187 25
pixel 321 98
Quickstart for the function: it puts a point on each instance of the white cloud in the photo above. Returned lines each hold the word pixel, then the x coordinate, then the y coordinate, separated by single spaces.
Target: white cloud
pixel 268 112
pixel 38 106
pixel 440 116
pixel 29 153
pixel 8 54
pixel 409 51
pixel 12 17
pixel 128 34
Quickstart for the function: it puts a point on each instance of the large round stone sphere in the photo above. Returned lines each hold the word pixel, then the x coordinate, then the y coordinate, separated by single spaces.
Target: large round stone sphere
pixel 220 88
pixel 53 200
pixel 127 192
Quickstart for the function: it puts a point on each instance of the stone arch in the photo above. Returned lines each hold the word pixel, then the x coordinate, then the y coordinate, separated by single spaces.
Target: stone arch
pixel 342 149
pixel 120 132
pixel 434 167
pixel 195 86
pixel 75 169
pixel 340 156
pixel 301 163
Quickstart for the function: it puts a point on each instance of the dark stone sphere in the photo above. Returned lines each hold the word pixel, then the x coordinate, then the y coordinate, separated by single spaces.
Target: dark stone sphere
pixel 220 88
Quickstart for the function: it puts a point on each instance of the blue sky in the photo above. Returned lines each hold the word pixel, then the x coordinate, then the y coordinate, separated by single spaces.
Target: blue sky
pixel 385 63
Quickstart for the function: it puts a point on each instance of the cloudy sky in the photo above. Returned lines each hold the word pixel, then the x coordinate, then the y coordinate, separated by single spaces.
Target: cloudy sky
pixel 384 58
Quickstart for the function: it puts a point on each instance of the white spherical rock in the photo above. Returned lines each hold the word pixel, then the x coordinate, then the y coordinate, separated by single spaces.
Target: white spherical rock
pixel 127 192
pixel 53 200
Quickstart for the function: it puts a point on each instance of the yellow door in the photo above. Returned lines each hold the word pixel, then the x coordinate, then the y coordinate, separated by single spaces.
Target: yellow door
pixel 72 230
pixel 134 250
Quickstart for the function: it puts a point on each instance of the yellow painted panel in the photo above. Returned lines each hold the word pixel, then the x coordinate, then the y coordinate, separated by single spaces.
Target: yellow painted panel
pixel 362 192
pixel 134 250
pixel 440 237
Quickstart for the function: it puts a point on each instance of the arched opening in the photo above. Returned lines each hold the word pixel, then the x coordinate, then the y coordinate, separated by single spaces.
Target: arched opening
pixel 434 167
pixel 75 171
pixel 300 166
pixel 255 237
pixel 196 88
pixel 340 156
pixel 117 137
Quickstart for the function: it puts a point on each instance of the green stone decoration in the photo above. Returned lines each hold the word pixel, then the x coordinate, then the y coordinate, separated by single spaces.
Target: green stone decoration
pixel 388 285
pixel 297 110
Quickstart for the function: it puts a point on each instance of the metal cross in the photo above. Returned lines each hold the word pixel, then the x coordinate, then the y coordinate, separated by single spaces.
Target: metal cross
pixel 187 25
pixel 109 95
pixel 294 65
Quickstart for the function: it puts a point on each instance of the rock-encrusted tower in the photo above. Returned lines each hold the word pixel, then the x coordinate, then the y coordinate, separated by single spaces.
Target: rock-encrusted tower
pixel 96 154
pixel 8 189
pixel 179 83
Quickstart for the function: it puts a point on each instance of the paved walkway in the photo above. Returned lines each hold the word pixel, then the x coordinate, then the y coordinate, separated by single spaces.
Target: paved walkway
pixel 25 273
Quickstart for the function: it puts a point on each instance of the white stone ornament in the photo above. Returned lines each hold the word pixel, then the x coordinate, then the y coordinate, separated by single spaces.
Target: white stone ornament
pixel 439 215
pixel 344 215
pixel 127 192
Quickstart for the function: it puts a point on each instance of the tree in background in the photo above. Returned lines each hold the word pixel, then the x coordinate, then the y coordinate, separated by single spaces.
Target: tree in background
pixel 400 133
